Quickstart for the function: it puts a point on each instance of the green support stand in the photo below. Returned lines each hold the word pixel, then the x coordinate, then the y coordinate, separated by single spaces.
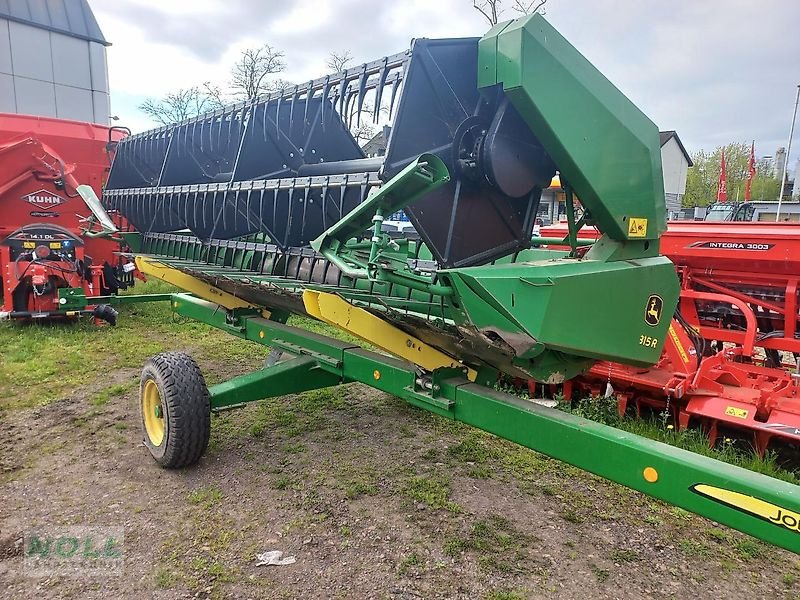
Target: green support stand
pixel 289 377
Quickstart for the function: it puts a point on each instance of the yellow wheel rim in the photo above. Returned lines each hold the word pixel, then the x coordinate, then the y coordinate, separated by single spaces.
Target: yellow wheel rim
pixel 153 413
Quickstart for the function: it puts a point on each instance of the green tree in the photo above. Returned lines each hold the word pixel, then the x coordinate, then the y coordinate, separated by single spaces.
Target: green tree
pixel 765 185
pixel 702 179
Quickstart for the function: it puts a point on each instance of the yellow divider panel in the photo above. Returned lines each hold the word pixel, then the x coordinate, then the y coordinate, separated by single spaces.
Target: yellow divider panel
pixel 154 268
pixel 337 312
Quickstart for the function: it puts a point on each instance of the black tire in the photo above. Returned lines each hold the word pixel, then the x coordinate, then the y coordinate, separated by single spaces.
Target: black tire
pixel 185 410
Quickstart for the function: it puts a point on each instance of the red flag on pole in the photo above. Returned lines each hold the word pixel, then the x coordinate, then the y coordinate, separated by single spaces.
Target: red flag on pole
pixel 722 186
pixel 751 171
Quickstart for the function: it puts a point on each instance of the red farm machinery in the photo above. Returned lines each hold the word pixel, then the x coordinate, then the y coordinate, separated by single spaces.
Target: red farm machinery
pixel 57 244
pixel 730 357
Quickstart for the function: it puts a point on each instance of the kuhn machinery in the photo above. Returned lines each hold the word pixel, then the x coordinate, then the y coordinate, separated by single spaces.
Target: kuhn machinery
pixel 731 354
pixel 55 244
pixel 268 208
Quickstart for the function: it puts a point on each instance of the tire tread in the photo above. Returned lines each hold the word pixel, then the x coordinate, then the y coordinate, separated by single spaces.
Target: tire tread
pixel 186 400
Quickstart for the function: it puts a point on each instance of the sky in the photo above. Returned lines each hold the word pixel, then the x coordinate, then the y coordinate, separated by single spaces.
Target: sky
pixel 715 71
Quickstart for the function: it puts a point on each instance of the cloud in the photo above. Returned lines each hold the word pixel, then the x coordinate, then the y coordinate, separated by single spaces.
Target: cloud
pixel 205 29
pixel 715 72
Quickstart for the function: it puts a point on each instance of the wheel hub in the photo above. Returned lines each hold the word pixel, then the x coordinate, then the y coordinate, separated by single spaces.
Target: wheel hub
pixel 153 413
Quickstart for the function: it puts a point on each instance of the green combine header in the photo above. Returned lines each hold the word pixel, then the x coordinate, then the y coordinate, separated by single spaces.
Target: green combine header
pixel 270 208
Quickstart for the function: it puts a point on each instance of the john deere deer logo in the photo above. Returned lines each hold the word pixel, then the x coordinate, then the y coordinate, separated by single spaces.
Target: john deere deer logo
pixel 652 314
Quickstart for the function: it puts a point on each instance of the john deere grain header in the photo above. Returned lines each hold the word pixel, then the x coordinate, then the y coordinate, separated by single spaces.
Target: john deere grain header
pixel 269 208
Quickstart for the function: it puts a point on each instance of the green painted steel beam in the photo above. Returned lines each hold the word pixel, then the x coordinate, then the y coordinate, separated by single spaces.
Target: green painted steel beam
pixel 682 478
pixel 761 506
pixel 133 239
pixel 129 299
pixel 420 177
pixel 549 241
pixel 289 377
pixel 268 332
pixel 76 299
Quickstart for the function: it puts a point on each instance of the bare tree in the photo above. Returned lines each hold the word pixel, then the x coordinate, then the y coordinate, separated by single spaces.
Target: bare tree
pixel 363 132
pixel 249 73
pixel 362 129
pixel 365 129
pixel 178 105
pixel 248 81
pixel 215 98
pixel 337 61
pixel 278 84
pixel 492 10
pixel 529 8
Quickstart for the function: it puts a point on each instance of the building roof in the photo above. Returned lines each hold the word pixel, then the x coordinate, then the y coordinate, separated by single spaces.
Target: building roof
pixel 667 136
pixel 70 17
pixel 376 145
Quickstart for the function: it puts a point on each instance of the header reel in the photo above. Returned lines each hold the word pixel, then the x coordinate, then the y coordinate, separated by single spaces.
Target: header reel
pixel 288 167
pixel 478 128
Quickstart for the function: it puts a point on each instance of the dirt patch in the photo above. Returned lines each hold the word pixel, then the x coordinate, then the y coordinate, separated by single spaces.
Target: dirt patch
pixel 373 498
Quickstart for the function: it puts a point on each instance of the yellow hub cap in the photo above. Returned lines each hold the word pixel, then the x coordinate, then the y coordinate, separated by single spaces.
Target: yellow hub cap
pixel 153 413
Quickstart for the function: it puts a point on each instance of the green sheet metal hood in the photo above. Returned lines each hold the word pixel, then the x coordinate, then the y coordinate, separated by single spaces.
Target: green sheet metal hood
pixel 605 148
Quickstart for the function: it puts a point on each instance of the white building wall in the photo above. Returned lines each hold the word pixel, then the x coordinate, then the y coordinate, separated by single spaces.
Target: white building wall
pixel 675 169
pixel 51 74
pixel 796 189
pixel 778 162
